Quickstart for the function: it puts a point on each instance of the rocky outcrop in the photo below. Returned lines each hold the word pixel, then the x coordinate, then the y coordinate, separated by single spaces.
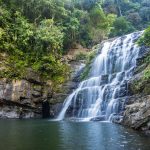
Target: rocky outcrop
pixel 137 110
pixel 139 85
pixel 23 98
pixel 137 113
pixel 31 97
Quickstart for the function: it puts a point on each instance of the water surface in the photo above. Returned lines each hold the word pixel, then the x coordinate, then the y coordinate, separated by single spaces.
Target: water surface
pixel 65 135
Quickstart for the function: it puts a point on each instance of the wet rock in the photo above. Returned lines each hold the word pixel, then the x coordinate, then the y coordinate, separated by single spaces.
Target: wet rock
pixel 122 92
pixel 137 85
pixel 104 79
pixel 144 51
pixel 99 118
pixel 137 113
pixel 55 109
pixel 116 118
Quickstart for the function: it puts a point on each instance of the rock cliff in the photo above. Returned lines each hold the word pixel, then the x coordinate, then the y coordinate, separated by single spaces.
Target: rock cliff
pixel 137 110
pixel 22 98
pixel 31 97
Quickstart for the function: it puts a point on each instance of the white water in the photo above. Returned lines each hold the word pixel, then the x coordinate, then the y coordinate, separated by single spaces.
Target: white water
pixel 102 95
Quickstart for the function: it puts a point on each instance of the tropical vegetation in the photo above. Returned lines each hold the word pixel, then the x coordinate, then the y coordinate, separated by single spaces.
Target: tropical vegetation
pixel 36 34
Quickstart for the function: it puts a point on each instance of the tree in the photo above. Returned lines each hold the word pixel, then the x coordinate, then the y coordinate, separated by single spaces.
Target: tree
pixel 134 18
pixel 48 37
pixel 145 13
pixel 121 27
pixel 145 39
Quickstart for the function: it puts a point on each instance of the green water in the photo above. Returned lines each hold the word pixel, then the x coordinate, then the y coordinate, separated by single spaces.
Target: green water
pixel 47 135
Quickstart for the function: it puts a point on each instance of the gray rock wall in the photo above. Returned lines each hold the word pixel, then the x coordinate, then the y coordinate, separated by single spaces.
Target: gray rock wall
pixel 137 113
pixel 22 98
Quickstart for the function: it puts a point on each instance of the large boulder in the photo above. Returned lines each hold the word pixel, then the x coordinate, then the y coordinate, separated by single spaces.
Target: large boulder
pixel 137 113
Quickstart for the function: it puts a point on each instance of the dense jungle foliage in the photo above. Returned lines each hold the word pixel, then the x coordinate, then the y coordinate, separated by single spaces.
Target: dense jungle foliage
pixel 37 33
pixel 145 41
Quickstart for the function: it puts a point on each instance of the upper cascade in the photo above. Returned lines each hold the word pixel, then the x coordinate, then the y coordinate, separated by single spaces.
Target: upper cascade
pixel 102 96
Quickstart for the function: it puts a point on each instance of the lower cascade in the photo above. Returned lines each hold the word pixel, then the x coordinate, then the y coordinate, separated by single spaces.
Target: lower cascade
pixel 103 95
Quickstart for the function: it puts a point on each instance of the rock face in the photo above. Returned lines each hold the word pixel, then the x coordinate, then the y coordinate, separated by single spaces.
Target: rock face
pixel 31 97
pixel 137 111
pixel 22 98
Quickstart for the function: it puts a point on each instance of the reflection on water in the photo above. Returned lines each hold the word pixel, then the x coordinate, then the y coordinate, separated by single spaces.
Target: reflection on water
pixel 46 135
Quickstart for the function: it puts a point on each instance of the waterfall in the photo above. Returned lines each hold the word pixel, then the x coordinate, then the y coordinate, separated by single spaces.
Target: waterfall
pixel 102 96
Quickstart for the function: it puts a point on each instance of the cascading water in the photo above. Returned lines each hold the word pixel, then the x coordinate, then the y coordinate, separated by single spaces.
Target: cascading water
pixel 102 95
